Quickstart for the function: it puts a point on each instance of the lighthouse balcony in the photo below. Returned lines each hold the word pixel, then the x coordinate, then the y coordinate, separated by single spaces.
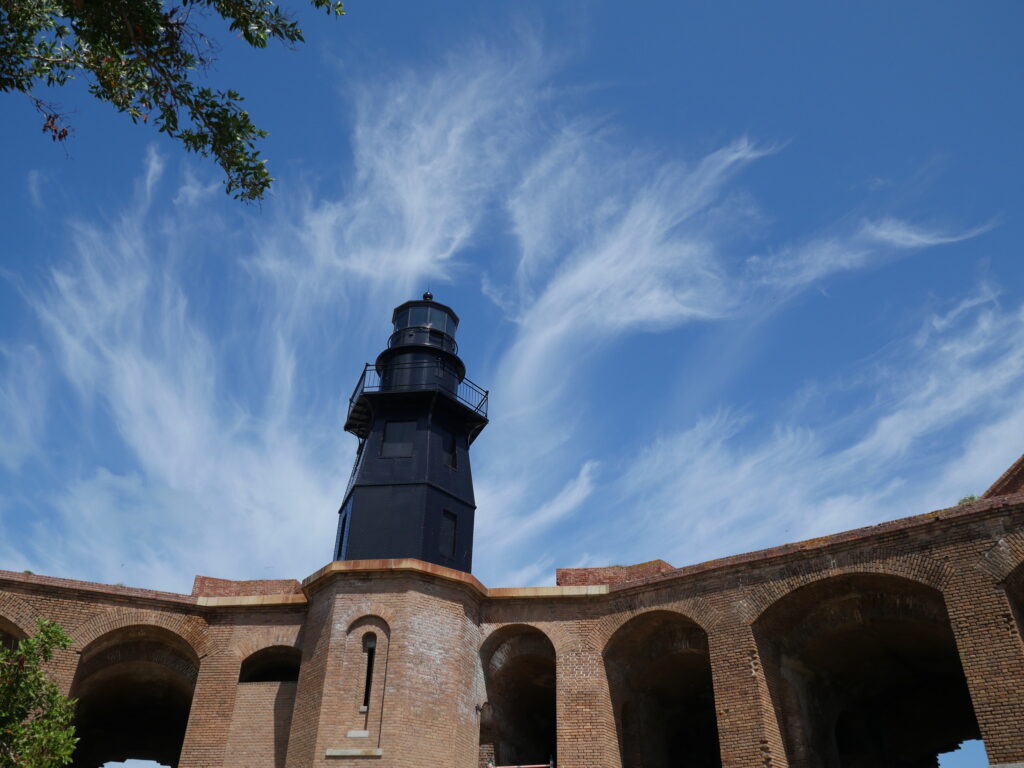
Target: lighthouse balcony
pixel 416 376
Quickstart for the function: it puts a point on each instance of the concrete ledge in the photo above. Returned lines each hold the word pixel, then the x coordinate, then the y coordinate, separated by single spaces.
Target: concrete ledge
pixel 356 567
pixel 569 591
pixel 248 601
pixel 378 752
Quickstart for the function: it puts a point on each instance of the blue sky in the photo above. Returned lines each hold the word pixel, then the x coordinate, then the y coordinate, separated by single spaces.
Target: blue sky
pixel 735 275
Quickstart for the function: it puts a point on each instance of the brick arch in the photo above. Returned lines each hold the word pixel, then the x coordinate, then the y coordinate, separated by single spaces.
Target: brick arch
pixel 561 639
pixel 367 610
pixel 915 568
pixel 703 616
pixel 192 630
pixel 490 640
pixel 1004 557
pixel 19 613
pixel 258 640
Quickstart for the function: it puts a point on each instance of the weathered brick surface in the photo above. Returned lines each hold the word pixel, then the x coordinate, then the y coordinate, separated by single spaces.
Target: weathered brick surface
pixel 207 586
pixel 610 574
pixel 429 685
pixel 260 725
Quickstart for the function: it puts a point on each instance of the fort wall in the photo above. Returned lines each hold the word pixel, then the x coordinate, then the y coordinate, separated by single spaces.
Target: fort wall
pixel 795 656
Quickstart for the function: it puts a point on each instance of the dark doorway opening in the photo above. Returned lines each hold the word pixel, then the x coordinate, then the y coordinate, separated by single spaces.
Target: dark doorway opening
pixel 519 723
pixel 659 674
pixel 864 671
pixel 134 688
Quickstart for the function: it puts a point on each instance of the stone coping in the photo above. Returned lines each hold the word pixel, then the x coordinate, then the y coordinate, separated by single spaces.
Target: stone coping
pixel 412 565
pixel 250 601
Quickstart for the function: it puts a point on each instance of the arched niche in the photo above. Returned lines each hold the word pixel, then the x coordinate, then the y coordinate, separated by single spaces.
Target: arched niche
pixel 364 674
pixel 659 675
pixel 864 671
pixel 277 663
pixel 518 723
pixel 134 687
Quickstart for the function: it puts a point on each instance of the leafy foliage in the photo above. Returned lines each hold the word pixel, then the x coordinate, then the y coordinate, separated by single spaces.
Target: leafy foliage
pixel 35 718
pixel 966 500
pixel 142 56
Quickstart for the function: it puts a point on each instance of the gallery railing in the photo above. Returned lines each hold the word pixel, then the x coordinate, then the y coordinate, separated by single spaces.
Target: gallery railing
pixel 421 376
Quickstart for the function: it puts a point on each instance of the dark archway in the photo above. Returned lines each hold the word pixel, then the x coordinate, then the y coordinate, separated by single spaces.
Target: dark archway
pixel 659 674
pixel 1014 585
pixel 864 671
pixel 278 663
pixel 519 720
pixel 134 688
pixel 10 634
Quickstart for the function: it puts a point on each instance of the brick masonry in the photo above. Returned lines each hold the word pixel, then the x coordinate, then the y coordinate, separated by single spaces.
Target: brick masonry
pixel 960 570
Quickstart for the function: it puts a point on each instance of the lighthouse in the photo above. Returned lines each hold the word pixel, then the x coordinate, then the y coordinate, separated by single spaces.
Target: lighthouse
pixel 415 414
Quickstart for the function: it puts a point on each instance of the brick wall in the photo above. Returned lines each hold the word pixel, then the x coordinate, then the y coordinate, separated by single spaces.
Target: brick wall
pixel 207 586
pixel 260 725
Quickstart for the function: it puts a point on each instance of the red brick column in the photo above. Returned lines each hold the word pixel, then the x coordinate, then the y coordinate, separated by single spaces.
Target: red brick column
pixel 213 705
pixel 748 730
pixel 993 659
pixel 586 723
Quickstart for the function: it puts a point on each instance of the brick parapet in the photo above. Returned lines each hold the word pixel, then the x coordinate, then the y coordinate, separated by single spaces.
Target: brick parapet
pixel 1011 481
pixel 208 586
pixel 610 574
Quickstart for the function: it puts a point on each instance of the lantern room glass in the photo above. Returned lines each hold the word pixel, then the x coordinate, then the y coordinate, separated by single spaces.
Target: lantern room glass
pixel 426 317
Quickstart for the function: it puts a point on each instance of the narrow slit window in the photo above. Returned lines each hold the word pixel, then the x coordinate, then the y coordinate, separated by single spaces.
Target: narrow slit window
pixel 370 649
pixel 446 535
pixel 398 439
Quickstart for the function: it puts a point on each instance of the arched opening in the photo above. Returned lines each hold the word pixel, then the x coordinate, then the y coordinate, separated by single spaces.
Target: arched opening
pixel 864 671
pixel 1014 586
pixel 518 724
pixel 659 674
pixel 134 688
pixel 9 634
pixel 276 664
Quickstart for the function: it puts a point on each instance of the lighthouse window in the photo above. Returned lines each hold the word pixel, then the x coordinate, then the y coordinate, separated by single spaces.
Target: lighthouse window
pixel 398 438
pixel 446 535
pixel 448 453
pixel 417 316
pixel 438 319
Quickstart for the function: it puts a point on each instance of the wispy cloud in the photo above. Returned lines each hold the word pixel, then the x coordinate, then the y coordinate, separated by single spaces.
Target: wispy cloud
pixel 191 467
pixel 431 149
pixel 615 243
pixel 941 420
pixel 34 182
pixel 210 392
pixel 869 243
pixel 23 395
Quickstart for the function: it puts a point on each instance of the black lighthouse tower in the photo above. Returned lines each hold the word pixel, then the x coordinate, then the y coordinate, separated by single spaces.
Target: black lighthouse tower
pixel 415 414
